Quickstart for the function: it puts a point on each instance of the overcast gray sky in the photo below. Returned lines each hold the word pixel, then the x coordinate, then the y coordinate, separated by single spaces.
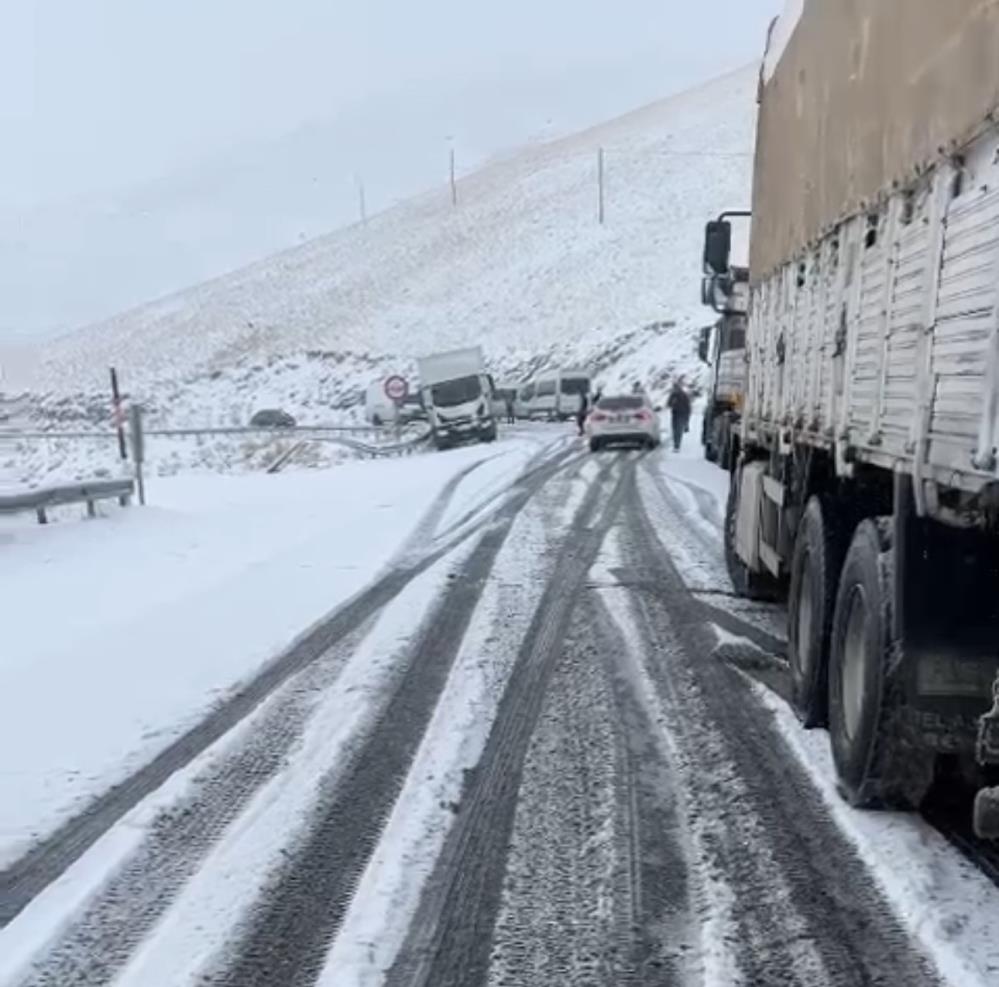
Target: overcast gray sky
pixel 103 97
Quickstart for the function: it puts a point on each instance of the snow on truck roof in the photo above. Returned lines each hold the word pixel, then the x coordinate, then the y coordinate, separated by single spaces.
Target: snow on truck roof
pixel 780 34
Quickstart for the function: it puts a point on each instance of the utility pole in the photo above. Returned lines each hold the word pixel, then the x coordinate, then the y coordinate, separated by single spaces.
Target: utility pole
pixel 600 185
pixel 454 186
pixel 360 200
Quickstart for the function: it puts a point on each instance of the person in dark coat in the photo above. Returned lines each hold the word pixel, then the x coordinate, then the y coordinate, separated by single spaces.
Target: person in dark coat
pixel 584 406
pixel 510 417
pixel 679 409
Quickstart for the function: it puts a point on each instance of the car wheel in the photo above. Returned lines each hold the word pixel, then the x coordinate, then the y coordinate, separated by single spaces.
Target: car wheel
pixel 815 567
pixel 595 445
pixel 875 764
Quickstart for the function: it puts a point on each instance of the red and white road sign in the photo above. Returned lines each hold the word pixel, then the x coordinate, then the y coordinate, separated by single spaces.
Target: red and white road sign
pixel 396 388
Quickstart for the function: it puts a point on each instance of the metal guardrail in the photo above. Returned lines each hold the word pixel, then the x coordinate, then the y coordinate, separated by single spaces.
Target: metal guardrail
pixel 87 493
pixel 274 430
pixel 403 447
pixel 348 436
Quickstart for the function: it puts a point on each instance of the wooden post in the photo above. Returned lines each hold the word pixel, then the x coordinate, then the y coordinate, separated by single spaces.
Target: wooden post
pixel 600 185
pixel 454 185
pixel 119 418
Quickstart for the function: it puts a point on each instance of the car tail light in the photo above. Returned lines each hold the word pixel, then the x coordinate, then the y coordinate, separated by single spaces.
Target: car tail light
pixel 598 416
pixel 643 416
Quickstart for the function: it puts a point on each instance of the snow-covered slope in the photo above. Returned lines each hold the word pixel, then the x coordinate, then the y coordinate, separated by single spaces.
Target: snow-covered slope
pixel 521 266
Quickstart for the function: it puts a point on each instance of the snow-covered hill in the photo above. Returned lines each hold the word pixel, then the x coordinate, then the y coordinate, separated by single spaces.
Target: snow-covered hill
pixel 521 266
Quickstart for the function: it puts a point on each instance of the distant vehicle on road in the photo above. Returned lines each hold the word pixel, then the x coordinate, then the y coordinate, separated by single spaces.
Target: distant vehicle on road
pixel 379 408
pixel 272 418
pixel 623 420
pixel 457 394
pixel 524 400
pixel 412 409
pixel 554 395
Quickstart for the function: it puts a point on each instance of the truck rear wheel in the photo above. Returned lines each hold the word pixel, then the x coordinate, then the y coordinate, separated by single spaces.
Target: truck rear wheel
pixel 815 567
pixel 745 582
pixel 875 765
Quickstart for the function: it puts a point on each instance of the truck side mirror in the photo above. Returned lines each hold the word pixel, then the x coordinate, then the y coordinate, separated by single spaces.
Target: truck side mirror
pixel 704 344
pixel 717 246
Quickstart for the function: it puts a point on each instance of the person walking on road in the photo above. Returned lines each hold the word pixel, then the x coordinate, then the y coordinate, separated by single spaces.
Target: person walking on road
pixel 510 417
pixel 581 413
pixel 679 409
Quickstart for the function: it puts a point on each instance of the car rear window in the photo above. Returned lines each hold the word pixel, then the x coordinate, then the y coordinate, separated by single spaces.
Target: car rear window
pixel 621 404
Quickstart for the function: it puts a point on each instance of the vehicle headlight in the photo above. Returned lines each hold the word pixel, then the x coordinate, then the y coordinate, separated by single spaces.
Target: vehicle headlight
pixel 481 409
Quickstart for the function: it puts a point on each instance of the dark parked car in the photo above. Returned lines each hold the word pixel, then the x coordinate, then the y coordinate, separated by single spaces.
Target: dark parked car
pixel 272 418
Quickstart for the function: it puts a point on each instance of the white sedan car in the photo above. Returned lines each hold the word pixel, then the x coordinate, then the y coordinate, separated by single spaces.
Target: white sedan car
pixel 625 420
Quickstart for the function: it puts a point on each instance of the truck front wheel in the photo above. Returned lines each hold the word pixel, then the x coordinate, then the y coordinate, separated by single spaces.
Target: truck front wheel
pixel 815 567
pixel 875 764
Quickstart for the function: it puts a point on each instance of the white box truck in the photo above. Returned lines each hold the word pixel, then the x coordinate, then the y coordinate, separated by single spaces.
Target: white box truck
pixel 457 394
pixel 865 473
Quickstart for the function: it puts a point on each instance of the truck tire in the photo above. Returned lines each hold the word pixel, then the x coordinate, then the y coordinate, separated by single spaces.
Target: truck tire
pixel 815 569
pixel 876 765
pixel 724 452
pixel 707 436
pixel 745 582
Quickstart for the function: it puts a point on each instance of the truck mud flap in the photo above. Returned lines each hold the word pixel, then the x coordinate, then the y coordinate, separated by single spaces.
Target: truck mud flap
pixel 987 750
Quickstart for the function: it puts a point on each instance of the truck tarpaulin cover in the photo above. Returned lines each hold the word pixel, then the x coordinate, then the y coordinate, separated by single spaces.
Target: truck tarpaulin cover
pixel 865 94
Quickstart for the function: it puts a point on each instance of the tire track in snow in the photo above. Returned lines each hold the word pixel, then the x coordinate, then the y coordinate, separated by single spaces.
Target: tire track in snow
pixel 286 939
pixel 804 904
pixel 697 554
pixel 101 939
pixel 449 943
pixel 388 894
pixel 25 878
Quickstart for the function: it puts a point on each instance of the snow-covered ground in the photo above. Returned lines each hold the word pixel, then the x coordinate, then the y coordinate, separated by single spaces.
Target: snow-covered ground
pixel 120 633
pixel 521 266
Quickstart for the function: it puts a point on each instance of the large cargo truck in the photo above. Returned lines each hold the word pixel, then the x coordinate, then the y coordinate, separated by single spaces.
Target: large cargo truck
pixel 457 395
pixel 865 478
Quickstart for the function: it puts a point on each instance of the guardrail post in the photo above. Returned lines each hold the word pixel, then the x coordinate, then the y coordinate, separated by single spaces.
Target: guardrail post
pixel 138 449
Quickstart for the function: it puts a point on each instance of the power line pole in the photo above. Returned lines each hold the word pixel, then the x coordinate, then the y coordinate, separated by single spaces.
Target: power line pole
pixel 454 186
pixel 360 200
pixel 600 185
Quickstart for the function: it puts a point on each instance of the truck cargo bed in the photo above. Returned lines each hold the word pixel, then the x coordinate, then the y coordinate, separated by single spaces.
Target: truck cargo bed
pixel 881 341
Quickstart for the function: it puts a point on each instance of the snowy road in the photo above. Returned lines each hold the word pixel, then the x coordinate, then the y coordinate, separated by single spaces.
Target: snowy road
pixel 544 747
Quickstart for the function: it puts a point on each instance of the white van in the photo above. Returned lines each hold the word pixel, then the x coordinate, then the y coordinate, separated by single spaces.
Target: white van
pixel 378 409
pixel 525 398
pixel 555 394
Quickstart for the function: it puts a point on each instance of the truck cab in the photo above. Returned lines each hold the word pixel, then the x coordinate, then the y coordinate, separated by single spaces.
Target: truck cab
pixel 457 394
pixel 722 345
